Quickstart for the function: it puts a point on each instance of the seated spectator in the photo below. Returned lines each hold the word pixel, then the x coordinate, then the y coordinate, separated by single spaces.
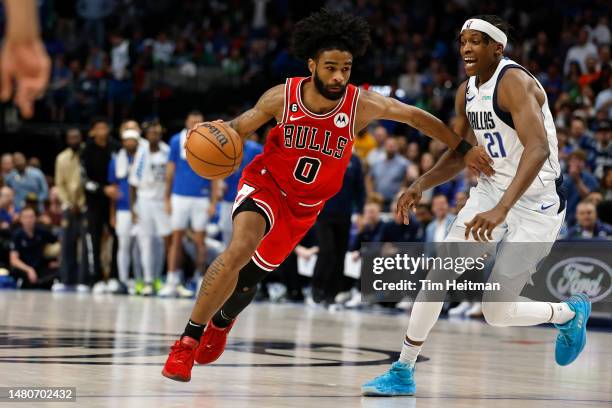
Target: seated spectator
pixel 564 147
pixel 6 165
pixel 7 209
pixel 396 231
pixel 25 179
pixel 364 144
pixel 588 226
pixel 377 154
pixel 370 228
pixel 606 184
pixel 423 214
pixel 578 182
pixel 29 266
pixel 451 188
pixel 436 230
pixel 602 148
pixel 387 175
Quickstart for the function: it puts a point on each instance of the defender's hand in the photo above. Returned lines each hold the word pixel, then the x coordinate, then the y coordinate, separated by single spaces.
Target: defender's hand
pixel 408 200
pixel 27 63
pixel 477 159
pixel 483 224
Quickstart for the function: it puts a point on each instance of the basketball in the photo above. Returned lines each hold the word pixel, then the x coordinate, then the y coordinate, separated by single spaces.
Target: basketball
pixel 214 151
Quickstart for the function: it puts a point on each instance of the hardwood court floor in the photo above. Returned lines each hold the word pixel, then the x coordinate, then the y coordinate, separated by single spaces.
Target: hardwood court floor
pixel 112 350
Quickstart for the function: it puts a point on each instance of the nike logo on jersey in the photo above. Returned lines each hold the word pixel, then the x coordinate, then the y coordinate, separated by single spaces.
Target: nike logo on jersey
pixel 470 99
pixel 292 118
pixel 546 207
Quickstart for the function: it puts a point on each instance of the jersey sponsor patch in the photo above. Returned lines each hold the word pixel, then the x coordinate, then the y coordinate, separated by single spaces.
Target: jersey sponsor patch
pixel 341 120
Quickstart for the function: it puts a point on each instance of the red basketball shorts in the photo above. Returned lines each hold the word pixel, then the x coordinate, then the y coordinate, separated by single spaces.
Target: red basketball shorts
pixel 289 220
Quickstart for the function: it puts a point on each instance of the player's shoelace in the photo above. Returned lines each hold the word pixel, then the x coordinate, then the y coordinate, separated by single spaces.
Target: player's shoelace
pixel 180 353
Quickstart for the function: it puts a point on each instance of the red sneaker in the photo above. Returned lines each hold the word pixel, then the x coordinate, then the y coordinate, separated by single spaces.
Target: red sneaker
pixel 180 361
pixel 212 343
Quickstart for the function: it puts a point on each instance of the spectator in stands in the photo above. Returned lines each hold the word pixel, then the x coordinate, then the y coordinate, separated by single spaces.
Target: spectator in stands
pixel 411 81
pixel 29 266
pixel 601 33
pixel 25 180
pixel 121 218
pixel 120 84
pixel 387 175
pixel 588 225
pixel 6 165
pixel 72 196
pixel 94 12
pixel 579 52
pixel 364 144
pixel 565 148
pixel 603 101
pixel 578 182
pixel 147 186
pixel 53 214
pixel 95 157
pixel 380 135
pixel 436 230
pixel 333 229
pixel 190 201
pixel 396 231
pixel 603 148
pixel 7 209
pixel 606 184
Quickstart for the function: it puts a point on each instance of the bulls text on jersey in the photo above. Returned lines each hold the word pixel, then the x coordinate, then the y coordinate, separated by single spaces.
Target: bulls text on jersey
pixel 310 138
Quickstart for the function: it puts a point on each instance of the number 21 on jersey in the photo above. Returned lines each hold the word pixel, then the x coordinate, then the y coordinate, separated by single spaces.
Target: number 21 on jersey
pixel 495 146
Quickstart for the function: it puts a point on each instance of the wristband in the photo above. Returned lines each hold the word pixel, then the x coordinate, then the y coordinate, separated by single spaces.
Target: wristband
pixel 463 147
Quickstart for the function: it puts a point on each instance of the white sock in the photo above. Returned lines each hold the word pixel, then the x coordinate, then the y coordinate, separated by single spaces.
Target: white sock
pixel 409 354
pixel 561 313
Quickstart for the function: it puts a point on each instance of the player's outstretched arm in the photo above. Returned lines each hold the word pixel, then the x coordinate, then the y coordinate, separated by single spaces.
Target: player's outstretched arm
pixel 269 105
pixel 23 56
pixel 373 106
pixel 450 164
pixel 518 94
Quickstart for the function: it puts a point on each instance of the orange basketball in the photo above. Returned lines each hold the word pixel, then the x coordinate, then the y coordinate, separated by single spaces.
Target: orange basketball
pixel 214 151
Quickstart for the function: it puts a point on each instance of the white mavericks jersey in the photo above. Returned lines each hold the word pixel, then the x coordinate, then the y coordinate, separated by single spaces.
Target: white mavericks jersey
pixel 494 130
pixel 148 173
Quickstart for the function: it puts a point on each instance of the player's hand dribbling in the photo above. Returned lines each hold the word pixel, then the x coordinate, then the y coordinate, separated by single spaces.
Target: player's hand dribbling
pixel 408 200
pixel 477 160
pixel 483 224
pixel 27 63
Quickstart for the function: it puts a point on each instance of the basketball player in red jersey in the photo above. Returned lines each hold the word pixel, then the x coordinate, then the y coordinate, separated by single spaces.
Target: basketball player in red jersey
pixel 283 189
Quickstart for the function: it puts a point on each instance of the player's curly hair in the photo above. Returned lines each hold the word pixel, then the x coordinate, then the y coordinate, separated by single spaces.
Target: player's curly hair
pixel 330 30
pixel 498 22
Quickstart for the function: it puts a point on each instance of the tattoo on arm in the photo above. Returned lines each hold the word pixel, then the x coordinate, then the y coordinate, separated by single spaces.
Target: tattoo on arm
pixel 214 270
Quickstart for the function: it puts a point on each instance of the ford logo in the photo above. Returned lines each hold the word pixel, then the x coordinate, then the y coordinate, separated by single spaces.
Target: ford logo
pixel 580 275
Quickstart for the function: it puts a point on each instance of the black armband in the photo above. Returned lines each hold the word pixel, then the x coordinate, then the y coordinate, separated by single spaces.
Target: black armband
pixel 463 147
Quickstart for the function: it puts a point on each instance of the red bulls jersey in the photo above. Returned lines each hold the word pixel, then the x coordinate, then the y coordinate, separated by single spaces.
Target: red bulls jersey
pixel 307 154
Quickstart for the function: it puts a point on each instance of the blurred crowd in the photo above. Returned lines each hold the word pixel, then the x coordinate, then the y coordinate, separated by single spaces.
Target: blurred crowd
pixel 106 55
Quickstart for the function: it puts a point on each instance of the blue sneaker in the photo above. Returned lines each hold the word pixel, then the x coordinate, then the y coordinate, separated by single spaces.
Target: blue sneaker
pixel 395 382
pixel 572 335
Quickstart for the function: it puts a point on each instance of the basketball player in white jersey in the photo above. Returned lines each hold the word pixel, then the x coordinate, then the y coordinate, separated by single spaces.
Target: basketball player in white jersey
pixel 147 186
pixel 505 109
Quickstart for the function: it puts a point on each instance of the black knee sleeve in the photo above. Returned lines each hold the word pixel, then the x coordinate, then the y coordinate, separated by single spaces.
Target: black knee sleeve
pixel 244 293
